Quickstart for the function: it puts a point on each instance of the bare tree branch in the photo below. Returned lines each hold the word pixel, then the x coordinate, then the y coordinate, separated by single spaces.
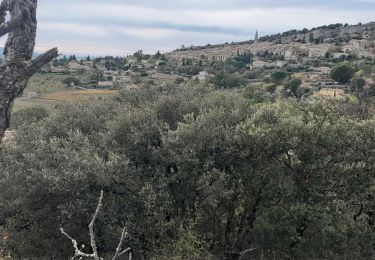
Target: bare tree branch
pixel 79 253
pixel 243 253
pixel 92 235
pixel 118 249
pixel 129 249
pixel 130 255
pixel 91 227
pixel 75 245
pixel 42 60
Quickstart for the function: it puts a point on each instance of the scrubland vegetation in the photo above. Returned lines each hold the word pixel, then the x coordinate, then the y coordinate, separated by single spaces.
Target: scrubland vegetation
pixel 254 150
pixel 192 172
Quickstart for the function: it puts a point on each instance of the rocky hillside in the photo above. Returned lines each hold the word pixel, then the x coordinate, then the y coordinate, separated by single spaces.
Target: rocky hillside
pixel 336 38
pixel 334 33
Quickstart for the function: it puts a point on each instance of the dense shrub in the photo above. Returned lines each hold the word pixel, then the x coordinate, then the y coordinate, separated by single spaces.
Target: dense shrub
pixel 227 81
pixel 342 73
pixel 278 77
pixel 71 80
pixel 193 171
pixel 292 87
pixel 190 70
pixel 28 115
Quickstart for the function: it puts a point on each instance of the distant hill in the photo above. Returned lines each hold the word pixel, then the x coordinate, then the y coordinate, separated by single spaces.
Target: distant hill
pixel 334 33
pixel 358 39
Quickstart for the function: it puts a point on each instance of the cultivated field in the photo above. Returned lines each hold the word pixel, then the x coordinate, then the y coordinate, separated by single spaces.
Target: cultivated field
pixel 51 92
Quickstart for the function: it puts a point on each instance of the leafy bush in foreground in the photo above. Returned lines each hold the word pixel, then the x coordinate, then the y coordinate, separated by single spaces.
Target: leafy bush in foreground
pixel 192 171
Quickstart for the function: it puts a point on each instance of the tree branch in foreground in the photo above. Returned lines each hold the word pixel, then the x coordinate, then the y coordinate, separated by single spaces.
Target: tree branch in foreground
pixel 118 249
pixel 94 254
pixel 243 253
pixel 42 60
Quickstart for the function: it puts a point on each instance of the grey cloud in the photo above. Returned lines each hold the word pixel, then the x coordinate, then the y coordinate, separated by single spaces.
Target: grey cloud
pixel 231 4
pixel 184 21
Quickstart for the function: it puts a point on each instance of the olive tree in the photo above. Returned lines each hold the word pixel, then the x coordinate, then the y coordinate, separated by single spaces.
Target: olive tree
pixel 342 73
pixel 19 48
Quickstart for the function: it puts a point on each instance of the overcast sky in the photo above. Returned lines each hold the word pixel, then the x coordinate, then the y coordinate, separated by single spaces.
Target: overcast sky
pixel 119 27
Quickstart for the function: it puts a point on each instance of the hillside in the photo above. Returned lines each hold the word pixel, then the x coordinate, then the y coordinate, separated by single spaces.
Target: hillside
pixel 314 43
pixel 309 55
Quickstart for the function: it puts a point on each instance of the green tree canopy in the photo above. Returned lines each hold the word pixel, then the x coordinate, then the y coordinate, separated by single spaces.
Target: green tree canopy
pixel 357 84
pixel 191 170
pixel 279 76
pixel 342 73
pixel 293 86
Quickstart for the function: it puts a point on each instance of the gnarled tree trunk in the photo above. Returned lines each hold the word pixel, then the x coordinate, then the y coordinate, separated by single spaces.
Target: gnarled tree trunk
pixel 19 66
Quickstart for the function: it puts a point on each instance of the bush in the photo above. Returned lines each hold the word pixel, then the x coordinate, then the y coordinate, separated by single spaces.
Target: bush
pixel 255 94
pixel 357 84
pixel 292 87
pixel 71 80
pixel 190 70
pixel 271 88
pixel 228 81
pixel 194 171
pixel 342 73
pixel 279 76
pixel 28 115
pixel 253 74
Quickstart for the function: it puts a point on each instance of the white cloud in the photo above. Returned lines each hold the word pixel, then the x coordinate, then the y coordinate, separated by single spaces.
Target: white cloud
pixel 73 28
pixel 124 26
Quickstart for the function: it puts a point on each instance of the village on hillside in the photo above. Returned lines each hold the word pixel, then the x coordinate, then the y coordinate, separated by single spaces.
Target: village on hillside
pixel 301 59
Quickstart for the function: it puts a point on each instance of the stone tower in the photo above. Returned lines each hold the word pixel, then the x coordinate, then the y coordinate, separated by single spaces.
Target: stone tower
pixel 256 38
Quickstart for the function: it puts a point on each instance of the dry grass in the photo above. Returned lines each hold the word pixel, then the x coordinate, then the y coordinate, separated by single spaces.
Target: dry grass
pixel 79 95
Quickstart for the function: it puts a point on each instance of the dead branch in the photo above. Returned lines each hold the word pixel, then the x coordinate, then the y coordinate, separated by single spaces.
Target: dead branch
pixel 243 253
pixel 91 226
pixel 75 245
pixel 126 251
pixel 41 60
pixel 118 249
pixel 94 254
